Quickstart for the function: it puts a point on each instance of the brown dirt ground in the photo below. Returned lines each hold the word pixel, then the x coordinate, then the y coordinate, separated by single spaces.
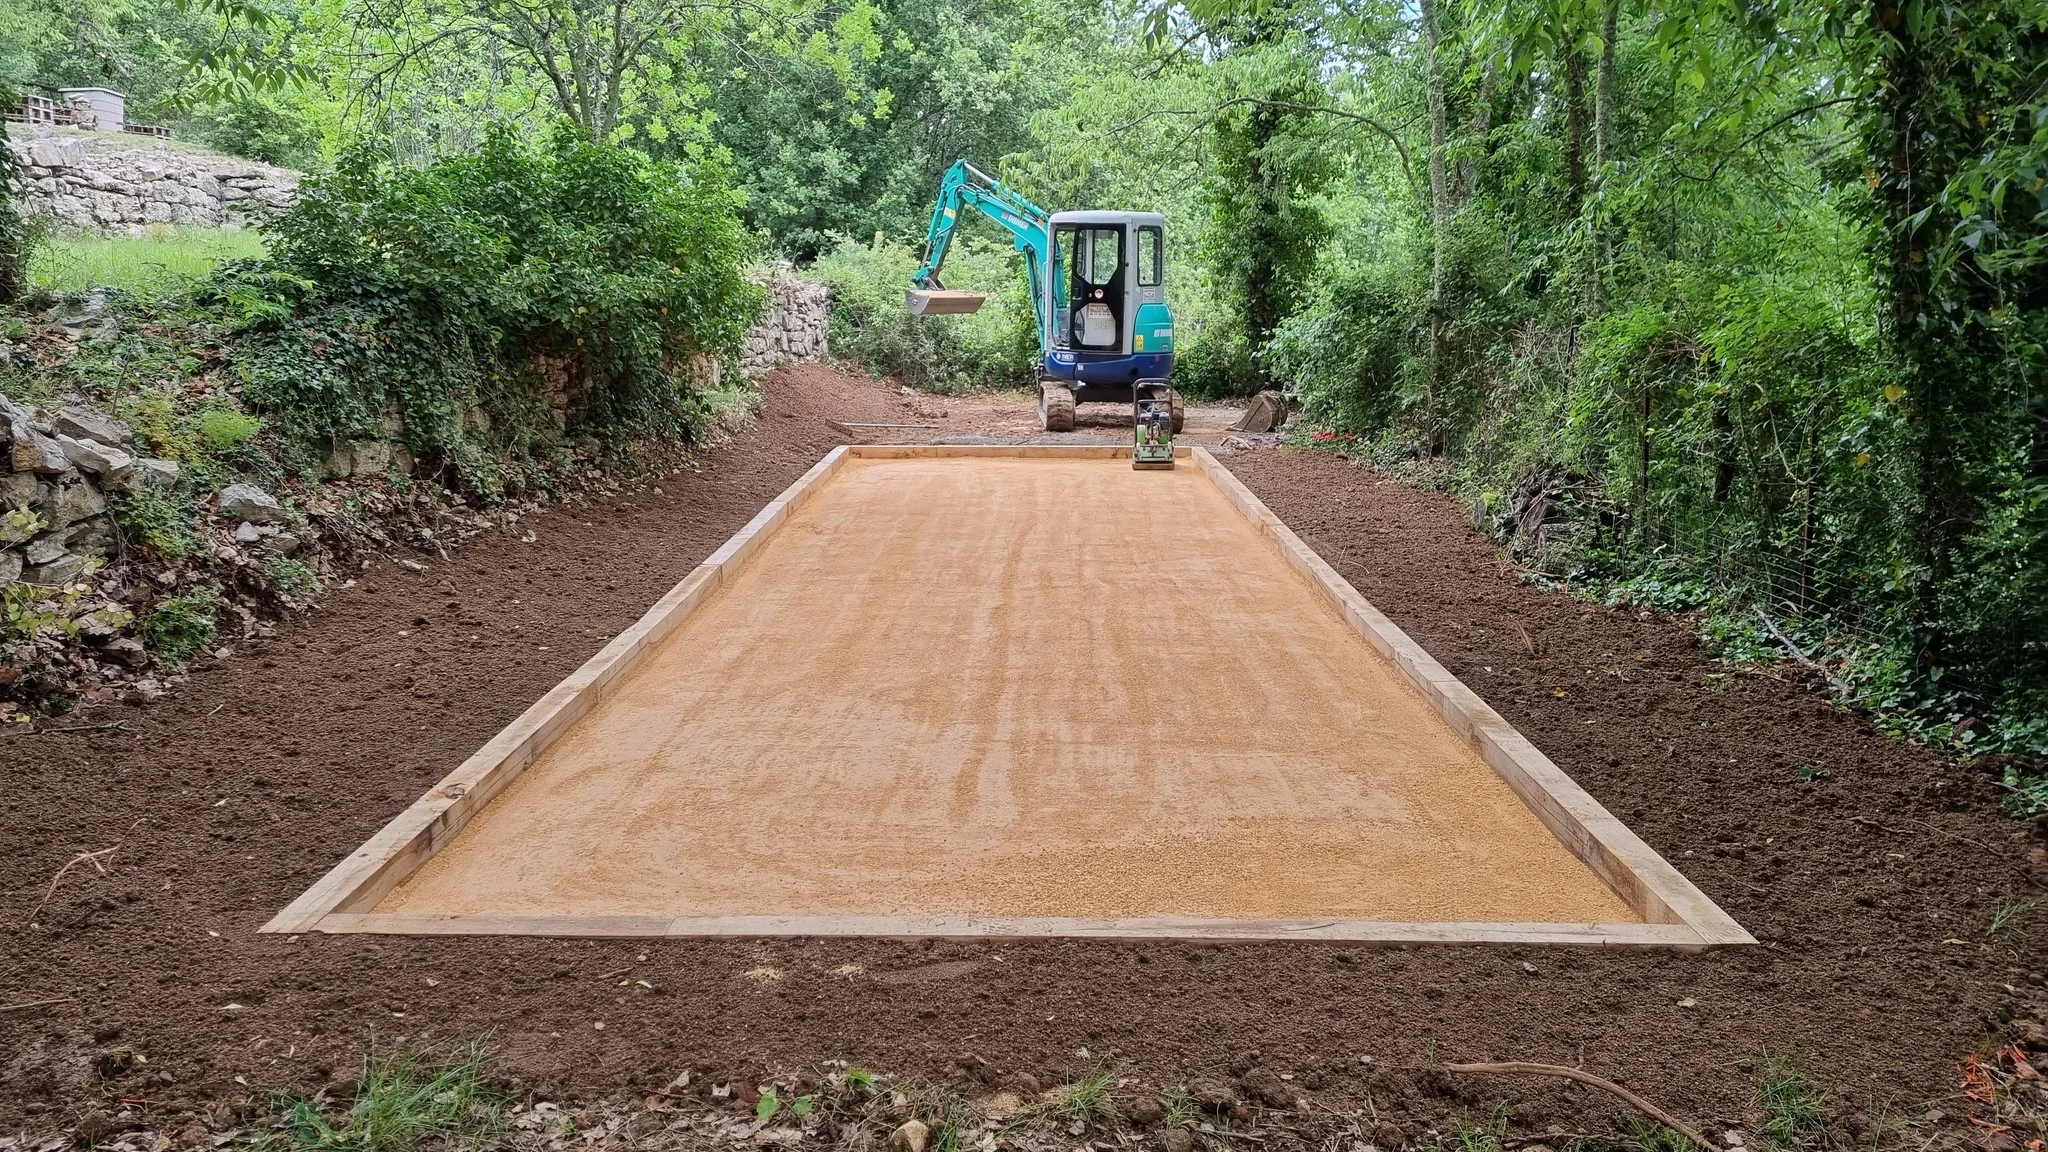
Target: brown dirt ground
pixel 1871 887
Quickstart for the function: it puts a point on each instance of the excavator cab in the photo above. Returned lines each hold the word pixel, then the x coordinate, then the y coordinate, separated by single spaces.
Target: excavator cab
pixel 1109 324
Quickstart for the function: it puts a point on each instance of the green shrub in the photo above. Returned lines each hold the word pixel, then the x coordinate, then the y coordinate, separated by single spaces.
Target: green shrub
pixel 180 626
pixel 995 347
pixel 429 292
pixel 224 429
pixel 156 520
pixel 294 576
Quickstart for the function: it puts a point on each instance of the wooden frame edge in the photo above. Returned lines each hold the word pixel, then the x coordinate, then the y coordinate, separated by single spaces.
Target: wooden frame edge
pixel 397 850
pixel 1676 914
pixel 1192 930
pixel 1635 871
pixel 1021 451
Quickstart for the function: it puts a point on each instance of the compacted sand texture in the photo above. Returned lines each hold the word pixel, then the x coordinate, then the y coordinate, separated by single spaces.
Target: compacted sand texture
pixel 1020 688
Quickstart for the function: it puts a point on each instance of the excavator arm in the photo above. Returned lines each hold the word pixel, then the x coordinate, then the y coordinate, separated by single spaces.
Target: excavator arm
pixel 1030 227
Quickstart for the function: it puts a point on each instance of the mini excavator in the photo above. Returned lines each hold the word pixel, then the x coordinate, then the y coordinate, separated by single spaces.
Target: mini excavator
pixel 1098 286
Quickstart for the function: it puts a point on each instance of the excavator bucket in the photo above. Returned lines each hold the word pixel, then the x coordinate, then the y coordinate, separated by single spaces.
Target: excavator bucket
pixel 942 302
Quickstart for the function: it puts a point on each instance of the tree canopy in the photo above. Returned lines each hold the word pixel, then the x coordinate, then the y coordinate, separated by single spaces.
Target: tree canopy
pixel 1755 290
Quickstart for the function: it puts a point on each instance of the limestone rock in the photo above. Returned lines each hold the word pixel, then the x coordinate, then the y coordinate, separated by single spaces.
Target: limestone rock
pixel 151 472
pixel 35 452
pixel 126 651
pixel 74 502
pixel 62 570
pixel 86 424
pixel 10 566
pixel 94 457
pixel 250 503
pixel 45 548
pixel 17 489
pixel 910 1136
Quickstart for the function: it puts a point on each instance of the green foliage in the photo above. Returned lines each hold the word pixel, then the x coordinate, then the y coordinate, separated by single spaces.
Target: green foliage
pixel 263 126
pixel 179 626
pixel 163 259
pixel 295 577
pixel 773 1103
pixel 33 612
pixel 1265 232
pixel 19 524
pixel 403 1101
pixel 157 521
pixel 853 143
pixel 995 347
pixel 224 429
pixel 434 293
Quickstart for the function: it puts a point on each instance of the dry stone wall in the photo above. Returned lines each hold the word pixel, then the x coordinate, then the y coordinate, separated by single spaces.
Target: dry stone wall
pixel 793 327
pixel 55 471
pixel 95 185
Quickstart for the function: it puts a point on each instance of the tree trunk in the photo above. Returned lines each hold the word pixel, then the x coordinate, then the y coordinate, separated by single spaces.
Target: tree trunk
pixel 1603 151
pixel 1439 214
pixel 1467 183
pixel 1575 127
pixel 1439 181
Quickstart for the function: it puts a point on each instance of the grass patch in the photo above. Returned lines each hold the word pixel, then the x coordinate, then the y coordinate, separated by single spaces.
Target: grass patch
pixel 164 257
pixel 180 626
pixel 404 1101
pixel 1086 1098
pixel 2007 917
pixel 1793 1109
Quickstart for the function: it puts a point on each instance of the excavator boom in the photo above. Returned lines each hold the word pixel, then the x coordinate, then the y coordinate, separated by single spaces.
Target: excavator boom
pixel 966 186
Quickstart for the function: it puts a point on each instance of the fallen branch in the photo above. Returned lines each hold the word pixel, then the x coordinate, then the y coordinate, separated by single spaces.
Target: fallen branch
pixel 1526 1068
pixel 108 726
pixel 1799 654
pixel 36 1003
pixel 95 857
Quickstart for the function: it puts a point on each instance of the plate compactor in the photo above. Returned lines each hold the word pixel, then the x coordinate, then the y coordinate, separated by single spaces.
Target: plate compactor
pixel 1152 424
pixel 1098 286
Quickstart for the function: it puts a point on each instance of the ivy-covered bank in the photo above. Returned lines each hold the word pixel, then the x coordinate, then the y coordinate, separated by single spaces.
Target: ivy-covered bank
pixel 423 353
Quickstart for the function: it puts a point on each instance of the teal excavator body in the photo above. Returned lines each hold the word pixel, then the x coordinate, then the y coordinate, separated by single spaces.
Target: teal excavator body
pixel 1098 289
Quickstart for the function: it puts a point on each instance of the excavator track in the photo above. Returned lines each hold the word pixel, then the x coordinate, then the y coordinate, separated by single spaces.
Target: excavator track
pixel 1055 406
pixel 1179 410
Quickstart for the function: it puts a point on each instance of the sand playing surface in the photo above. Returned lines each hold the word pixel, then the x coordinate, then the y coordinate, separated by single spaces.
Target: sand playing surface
pixel 1012 687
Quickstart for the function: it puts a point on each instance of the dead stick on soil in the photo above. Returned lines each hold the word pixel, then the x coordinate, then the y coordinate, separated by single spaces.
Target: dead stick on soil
pixel 109 726
pixel 1524 1067
pixel 36 1003
pixel 1800 655
pixel 95 857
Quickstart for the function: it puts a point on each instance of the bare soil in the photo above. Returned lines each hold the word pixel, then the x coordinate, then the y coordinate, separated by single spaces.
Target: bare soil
pixel 1870 869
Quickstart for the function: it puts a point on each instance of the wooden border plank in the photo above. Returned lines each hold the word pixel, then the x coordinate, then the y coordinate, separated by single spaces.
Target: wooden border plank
pixel 395 852
pixel 1659 893
pixel 1025 928
pixel 1020 451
